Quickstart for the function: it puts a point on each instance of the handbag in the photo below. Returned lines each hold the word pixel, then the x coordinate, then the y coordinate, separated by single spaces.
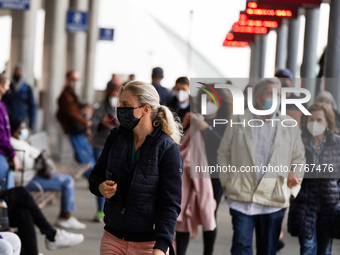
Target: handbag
pixel 45 165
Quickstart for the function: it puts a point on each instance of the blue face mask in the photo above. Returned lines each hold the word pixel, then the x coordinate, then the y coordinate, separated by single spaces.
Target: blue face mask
pixel 268 102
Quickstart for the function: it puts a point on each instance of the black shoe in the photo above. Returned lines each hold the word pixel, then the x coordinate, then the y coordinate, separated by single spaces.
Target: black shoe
pixel 280 245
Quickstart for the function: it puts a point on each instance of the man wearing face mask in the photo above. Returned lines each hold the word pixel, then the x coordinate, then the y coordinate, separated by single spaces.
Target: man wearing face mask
pixel 104 120
pixel 19 99
pixel 258 199
pixel 73 121
pixel 181 102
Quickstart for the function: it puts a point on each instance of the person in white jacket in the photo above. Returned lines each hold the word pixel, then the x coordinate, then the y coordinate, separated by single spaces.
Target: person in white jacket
pixel 60 182
pixel 10 244
pixel 257 196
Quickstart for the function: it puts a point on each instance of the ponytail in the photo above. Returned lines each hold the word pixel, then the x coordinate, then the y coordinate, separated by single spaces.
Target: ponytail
pixel 170 125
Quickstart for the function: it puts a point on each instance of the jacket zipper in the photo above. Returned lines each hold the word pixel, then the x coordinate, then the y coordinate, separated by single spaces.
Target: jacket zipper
pixel 132 181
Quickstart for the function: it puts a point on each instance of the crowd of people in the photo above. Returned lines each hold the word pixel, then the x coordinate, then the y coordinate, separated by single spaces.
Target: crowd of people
pixel 143 141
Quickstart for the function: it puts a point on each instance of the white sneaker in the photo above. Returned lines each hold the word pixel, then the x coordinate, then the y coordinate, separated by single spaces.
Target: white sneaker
pixel 64 239
pixel 70 223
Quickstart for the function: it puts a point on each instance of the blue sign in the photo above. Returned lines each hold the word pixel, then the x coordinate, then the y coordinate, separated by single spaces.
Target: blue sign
pixel 106 34
pixel 15 4
pixel 76 21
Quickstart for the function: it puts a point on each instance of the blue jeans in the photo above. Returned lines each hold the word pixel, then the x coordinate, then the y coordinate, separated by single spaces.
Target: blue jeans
pixel 84 153
pixel 320 244
pixel 6 176
pixel 267 230
pixel 62 182
pixel 100 200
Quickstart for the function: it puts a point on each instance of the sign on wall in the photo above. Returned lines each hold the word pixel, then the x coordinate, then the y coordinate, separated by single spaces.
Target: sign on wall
pixel 106 34
pixel 76 21
pixel 15 4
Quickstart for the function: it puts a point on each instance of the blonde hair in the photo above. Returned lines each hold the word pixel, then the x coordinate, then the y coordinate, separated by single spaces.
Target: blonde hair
pixel 146 94
pixel 330 118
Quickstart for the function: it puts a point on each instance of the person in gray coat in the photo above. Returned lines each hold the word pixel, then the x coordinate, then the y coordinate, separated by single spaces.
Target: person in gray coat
pixel 103 121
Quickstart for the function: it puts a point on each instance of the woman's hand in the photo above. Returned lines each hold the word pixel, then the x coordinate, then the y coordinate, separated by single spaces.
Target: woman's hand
pixel 158 252
pixel 108 188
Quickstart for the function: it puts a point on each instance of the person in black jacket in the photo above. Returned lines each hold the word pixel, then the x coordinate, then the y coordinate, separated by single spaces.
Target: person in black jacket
pixel 19 99
pixel 139 174
pixel 166 95
pixel 314 215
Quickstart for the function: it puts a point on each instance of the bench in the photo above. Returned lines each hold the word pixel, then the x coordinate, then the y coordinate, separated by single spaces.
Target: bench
pixel 75 169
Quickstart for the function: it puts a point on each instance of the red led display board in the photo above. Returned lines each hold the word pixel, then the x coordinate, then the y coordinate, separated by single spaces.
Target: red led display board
pixel 255 11
pixel 231 36
pixel 244 21
pixel 234 40
pixel 290 3
pixel 239 44
pixel 249 29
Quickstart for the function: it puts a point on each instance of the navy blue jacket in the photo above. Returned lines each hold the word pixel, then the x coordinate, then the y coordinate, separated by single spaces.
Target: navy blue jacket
pixel 166 95
pixel 153 201
pixel 21 104
pixel 318 202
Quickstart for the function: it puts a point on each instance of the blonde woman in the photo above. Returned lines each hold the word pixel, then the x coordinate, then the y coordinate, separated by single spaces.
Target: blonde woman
pixel 139 174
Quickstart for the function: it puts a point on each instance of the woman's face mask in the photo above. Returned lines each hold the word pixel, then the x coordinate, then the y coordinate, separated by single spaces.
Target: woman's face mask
pixel 316 128
pixel 126 117
pixel 24 134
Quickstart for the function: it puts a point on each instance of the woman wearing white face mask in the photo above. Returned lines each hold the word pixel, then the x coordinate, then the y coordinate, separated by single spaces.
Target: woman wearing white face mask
pixel 103 121
pixel 314 214
pixel 327 98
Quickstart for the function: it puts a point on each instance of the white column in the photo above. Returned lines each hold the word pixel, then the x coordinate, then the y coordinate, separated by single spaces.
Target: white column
pixel 76 46
pixel 23 39
pixel 91 50
pixel 281 46
pixel 54 55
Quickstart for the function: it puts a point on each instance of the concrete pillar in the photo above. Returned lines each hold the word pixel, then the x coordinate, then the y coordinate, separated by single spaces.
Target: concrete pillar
pixel 23 39
pixel 262 55
pixel 92 38
pixel 332 74
pixel 252 73
pixel 309 52
pixel 257 48
pixel 281 45
pixel 76 47
pixel 53 74
pixel 293 44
